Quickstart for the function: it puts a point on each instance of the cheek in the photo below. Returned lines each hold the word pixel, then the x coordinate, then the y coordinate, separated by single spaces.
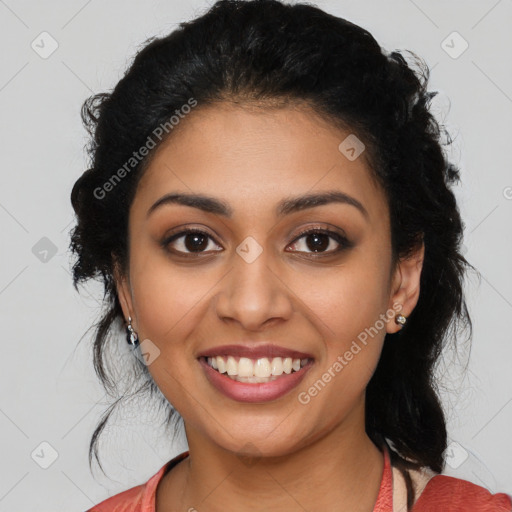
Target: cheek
pixel 166 297
pixel 347 311
pixel 167 302
pixel 347 300
pixel 348 317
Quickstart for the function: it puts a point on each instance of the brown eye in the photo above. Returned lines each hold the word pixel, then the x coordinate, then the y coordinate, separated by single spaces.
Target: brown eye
pixel 320 240
pixel 189 242
pixel 315 241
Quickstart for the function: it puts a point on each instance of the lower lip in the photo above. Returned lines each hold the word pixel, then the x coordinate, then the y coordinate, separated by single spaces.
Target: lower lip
pixel 254 392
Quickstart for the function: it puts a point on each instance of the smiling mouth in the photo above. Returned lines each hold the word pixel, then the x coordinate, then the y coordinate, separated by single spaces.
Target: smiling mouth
pixel 244 369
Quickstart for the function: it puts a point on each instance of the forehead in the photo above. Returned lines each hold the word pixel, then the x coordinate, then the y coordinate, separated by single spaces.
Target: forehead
pixel 254 157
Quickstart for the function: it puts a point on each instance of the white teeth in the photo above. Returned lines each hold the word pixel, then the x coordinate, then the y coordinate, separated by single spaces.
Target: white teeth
pixel 255 370
pixel 277 366
pixel 221 365
pixel 252 380
pixel 245 368
pixel 262 368
pixel 231 366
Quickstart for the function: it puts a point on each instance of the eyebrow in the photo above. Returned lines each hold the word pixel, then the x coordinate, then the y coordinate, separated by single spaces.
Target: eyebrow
pixel 285 207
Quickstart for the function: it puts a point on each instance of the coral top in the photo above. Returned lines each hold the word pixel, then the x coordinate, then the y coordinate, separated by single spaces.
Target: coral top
pixel 440 493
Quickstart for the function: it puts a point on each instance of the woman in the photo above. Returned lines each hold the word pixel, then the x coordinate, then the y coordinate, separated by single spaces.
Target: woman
pixel 269 209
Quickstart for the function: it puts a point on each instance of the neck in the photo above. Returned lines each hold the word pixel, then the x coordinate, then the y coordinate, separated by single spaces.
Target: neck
pixel 340 471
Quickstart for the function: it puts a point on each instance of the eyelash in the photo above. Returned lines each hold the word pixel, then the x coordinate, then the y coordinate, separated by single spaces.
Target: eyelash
pixel 343 242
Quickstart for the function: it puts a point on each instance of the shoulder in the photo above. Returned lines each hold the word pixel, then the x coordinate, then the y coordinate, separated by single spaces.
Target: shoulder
pixel 127 501
pixel 140 498
pixel 444 492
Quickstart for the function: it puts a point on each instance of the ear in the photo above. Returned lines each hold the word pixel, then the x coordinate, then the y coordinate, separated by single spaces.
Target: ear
pixel 124 293
pixel 405 289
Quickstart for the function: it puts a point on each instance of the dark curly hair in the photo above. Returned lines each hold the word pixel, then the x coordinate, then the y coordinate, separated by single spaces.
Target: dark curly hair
pixel 267 53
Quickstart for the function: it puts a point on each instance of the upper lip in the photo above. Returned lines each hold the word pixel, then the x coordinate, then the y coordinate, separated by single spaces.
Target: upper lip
pixel 254 351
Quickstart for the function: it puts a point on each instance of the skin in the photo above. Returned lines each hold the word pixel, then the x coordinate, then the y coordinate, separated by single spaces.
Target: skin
pixel 313 456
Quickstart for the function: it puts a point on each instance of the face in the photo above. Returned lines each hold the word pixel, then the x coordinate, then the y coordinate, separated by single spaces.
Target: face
pixel 249 276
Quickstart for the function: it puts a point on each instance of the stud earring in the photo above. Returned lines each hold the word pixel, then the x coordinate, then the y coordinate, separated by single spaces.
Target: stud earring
pixel 400 319
pixel 131 335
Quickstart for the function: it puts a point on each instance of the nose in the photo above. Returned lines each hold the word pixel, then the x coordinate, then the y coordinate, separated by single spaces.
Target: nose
pixel 253 295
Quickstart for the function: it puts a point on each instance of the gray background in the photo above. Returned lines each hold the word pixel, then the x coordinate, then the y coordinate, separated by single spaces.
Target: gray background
pixel 49 390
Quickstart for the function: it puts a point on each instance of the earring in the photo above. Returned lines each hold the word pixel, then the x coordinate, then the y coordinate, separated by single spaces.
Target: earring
pixel 400 319
pixel 131 335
